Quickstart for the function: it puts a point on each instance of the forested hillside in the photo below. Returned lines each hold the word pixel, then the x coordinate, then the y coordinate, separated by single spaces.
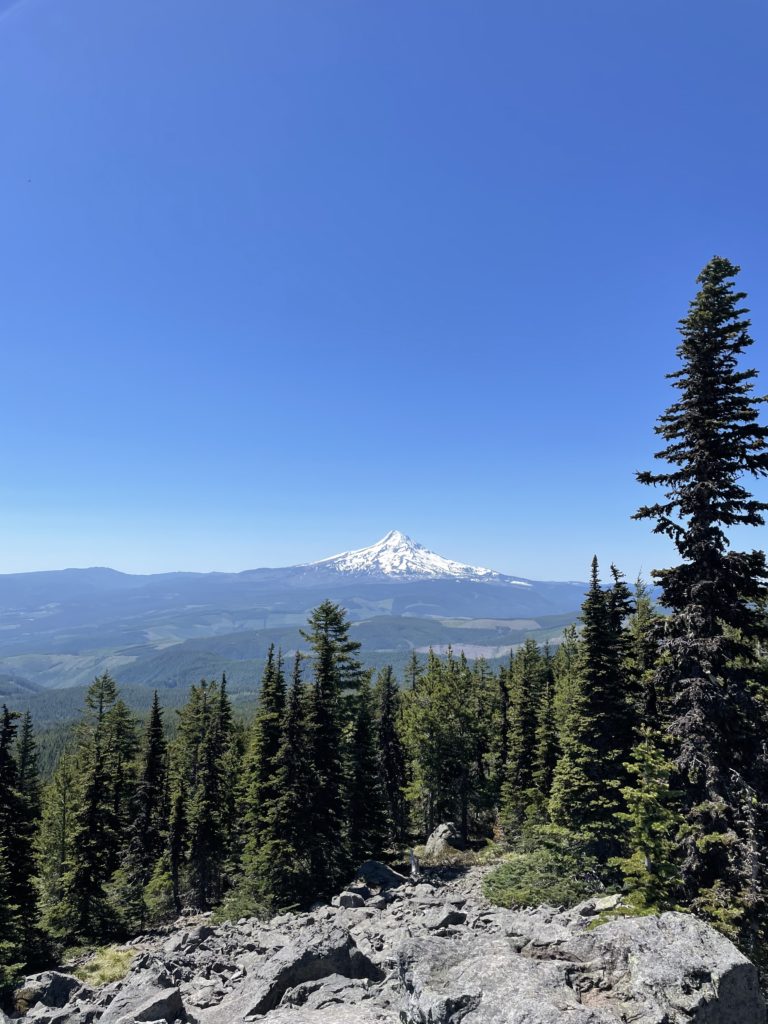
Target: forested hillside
pixel 634 755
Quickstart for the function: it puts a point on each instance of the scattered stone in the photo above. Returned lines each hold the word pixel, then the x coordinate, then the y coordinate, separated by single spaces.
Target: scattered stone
pixel 348 899
pixel 432 953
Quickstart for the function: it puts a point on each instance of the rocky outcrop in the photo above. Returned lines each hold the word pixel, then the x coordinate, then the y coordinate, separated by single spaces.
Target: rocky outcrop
pixel 445 840
pixel 434 951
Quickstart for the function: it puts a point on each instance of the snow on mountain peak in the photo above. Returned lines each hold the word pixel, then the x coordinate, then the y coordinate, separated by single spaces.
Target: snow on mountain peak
pixel 396 555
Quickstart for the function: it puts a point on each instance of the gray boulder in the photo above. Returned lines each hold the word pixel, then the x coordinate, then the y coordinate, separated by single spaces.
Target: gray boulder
pixel 325 949
pixel 147 995
pixel 51 988
pixel 445 840
pixel 376 875
pixel 348 899
pixel 672 969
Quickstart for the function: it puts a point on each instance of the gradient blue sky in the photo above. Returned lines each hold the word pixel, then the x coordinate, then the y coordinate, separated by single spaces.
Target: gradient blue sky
pixel 277 276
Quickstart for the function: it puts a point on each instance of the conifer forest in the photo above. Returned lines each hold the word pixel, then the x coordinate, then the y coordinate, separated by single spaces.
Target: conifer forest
pixel 631 756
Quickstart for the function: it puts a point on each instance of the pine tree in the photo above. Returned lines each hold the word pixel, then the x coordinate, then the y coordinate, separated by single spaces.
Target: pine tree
pixel 527 677
pixel 12 953
pixel 106 739
pixel 596 736
pixel 366 816
pixel 439 736
pixel 147 834
pixel 205 773
pixel 413 671
pixel 263 746
pixel 391 755
pixel 28 768
pixel 652 823
pixel 335 669
pixel 54 844
pixel 24 867
pixel 282 871
pixel 545 748
pixel 715 596
pixel 645 627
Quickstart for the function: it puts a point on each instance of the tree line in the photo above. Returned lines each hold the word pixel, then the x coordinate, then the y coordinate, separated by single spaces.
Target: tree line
pixel 633 755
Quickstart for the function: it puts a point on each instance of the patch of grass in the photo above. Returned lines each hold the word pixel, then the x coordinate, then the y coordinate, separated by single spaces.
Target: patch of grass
pixel 110 963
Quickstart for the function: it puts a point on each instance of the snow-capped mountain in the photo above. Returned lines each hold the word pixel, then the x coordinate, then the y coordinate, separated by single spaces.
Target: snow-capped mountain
pixel 396 556
pixel 62 627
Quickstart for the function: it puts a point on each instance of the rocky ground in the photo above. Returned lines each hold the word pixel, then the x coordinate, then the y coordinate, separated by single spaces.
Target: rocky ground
pixel 433 951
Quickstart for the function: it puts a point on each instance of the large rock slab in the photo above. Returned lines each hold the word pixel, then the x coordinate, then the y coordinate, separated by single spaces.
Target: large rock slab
pixel 378 876
pixel 324 949
pixel 147 995
pixel 430 953
pixel 672 969
pixel 51 988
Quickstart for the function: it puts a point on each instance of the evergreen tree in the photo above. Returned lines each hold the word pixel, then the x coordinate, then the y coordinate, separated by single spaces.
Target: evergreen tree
pixel 335 669
pixel 106 738
pixel 527 680
pixel 366 827
pixel 28 768
pixel 652 823
pixel 282 870
pixel 413 671
pixel 204 780
pixel 391 755
pixel 645 626
pixel 54 844
pixel 545 749
pixel 148 833
pixel 263 746
pixel 596 736
pixel 438 732
pixel 24 867
pixel 12 954
pixel 715 596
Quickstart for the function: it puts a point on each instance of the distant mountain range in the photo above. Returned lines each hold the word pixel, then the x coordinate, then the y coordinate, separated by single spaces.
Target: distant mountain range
pixel 60 628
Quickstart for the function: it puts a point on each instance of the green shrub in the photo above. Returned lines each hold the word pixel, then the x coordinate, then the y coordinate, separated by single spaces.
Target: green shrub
pixel 552 867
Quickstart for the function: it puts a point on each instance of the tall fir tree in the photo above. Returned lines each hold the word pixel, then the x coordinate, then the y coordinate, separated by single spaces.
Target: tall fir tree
pixel 28 823
pixel 391 755
pixel 335 672
pixel 106 736
pixel 715 596
pixel 54 841
pixel 413 671
pixel 281 872
pixel 366 814
pixel 545 747
pixel 439 735
pixel 12 954
pixel 205 770
pixel 147 832
pixel 261 755
pixel 596 737
pixel 526 681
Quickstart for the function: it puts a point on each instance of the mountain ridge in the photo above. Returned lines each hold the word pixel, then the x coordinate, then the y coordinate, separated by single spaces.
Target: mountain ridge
pixel 59 628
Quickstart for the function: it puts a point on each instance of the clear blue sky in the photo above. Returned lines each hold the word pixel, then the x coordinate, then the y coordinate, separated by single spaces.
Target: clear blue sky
pixel 279 276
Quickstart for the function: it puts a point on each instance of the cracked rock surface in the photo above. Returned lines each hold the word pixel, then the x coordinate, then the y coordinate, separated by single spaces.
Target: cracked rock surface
pixel 388 951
